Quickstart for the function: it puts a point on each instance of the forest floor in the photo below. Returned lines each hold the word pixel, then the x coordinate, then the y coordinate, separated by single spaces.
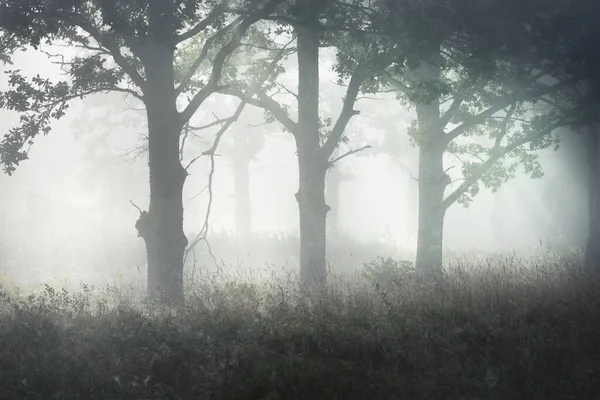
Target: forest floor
pixel 491 331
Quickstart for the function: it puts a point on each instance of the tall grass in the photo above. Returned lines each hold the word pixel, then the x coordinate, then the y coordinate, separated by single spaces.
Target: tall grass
pixel 500 329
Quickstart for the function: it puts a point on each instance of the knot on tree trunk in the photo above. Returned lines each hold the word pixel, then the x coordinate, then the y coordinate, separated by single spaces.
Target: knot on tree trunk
pixel 144 225
pixel 317 204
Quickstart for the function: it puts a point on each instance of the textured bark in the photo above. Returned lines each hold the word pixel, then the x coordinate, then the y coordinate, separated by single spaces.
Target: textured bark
pixel 432 182
pixel 592 252
pixel 162 226
pixel 241 177
pixel 311 162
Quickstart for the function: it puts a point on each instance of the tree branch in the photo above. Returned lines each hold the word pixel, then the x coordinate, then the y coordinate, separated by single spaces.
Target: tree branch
pixel 456 103
pixel 110 43
pixel 264 101
pixel 202 56
pixel 220 133
pixel 219 61
pixel 495 157
pixel 205 23
pixel 481 170
pixel 358 77
pixel 503 103
pixel 332 163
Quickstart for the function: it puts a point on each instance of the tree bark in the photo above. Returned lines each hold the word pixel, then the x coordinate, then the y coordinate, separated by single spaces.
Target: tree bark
pixel 334 180
pixel 241 177
pixel 311 162
pixel 432 181
pixel 162 226
pixel 592 251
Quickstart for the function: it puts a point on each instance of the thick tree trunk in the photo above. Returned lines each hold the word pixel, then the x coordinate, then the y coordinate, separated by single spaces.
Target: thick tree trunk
pixel 241 177
pixel 312 165
pixel 592 252
pixel 432 182
pixel 162 226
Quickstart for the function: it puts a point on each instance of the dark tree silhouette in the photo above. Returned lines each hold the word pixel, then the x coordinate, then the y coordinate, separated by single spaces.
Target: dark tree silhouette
pixel 127 47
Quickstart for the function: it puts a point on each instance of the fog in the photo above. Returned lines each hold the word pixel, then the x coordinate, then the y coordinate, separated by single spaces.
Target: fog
pixel 68 213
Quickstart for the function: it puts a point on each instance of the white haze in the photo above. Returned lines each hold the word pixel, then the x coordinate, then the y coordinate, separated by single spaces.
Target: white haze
pixel 92 234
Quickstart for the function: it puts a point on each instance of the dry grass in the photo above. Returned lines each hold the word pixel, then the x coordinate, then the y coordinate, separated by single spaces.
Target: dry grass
pixel 503 329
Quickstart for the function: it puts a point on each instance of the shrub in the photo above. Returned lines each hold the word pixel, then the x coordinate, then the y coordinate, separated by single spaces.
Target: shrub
pixel 387 274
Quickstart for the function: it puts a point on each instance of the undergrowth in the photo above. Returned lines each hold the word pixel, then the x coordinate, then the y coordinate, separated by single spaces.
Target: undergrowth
pixel 503 329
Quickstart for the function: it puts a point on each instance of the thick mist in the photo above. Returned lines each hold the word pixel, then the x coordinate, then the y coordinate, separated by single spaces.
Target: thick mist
pixel 68 213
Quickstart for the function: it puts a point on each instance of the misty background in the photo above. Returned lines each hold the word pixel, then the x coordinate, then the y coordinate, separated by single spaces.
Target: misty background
pixel 66 215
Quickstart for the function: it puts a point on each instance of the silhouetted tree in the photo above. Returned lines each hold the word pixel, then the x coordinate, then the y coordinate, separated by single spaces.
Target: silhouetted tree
pixel 490 115
pixel 128 47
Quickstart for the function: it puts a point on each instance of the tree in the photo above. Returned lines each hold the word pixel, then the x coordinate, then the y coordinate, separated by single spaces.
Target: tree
pixel 316 24
pixel 561 39
pixel 127 47
pixel 469 104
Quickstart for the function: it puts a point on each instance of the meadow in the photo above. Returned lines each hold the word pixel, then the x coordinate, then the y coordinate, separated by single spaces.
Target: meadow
pixel 497 328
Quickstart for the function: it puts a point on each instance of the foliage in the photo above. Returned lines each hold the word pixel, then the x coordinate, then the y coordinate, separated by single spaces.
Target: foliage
pixel 495 114
pixel 114 41
pixel 508 330
pixel 387 274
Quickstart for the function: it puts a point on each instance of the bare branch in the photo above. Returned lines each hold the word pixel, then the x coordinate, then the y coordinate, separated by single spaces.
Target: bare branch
pixel 139 209
pixel 211 152
pixel 287 90
pixel 218 121
pixel 186 133
pixel 332 163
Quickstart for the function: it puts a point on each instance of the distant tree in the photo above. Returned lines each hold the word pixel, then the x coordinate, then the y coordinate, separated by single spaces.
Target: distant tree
pixel 127 47
pixel 256 57
pixel 334 178
pixel 245 148
pixel 565 38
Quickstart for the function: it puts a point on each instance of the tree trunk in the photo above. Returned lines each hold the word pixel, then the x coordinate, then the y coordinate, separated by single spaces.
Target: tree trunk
pixel 162 226
pixel 241 176
pixel 312 165
pixel 334 180
pixel 432 181
pixel 592 252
